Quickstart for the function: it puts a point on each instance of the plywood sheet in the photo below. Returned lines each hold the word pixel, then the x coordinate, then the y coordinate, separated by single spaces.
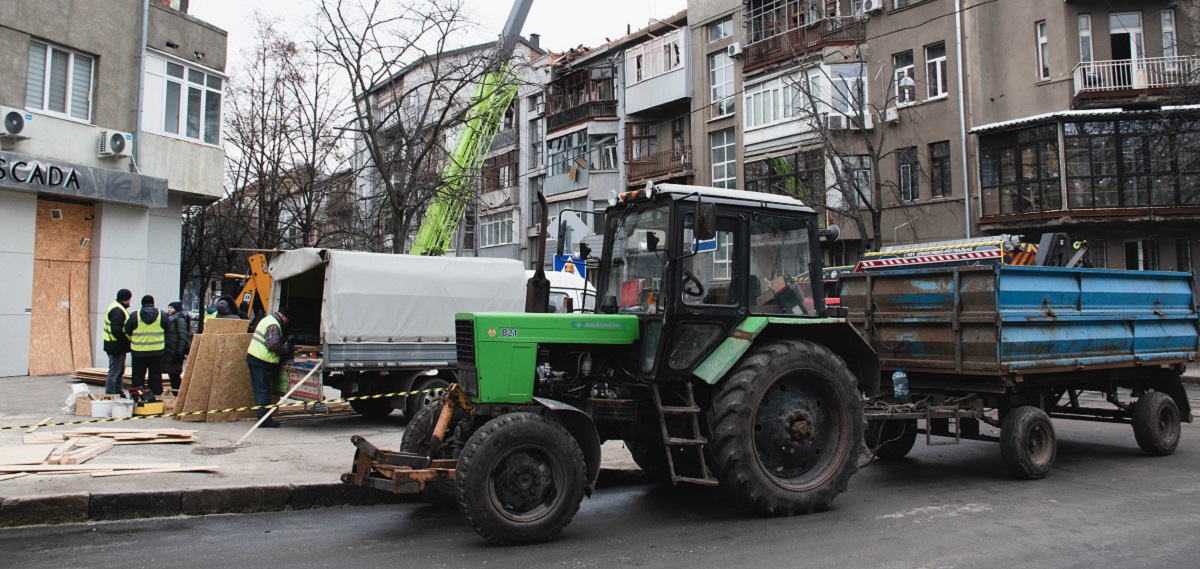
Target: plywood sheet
pixel 67 238
pixel 226 326
pixel 25 454
pixel 50 322
pixel 200 378
pixel 230 382
pixel 81 330
pixel 189 367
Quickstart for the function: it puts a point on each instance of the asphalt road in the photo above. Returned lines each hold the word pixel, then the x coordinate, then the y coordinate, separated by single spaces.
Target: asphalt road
pixel 1105 505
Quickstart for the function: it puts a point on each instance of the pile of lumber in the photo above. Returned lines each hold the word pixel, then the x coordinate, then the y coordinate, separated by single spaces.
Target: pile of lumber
pixel 65 452
pixel 216 376
pixel 98 375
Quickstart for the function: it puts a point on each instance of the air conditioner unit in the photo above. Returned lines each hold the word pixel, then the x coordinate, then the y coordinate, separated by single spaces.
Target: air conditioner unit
pixel 872 6
pixel 836 122
pixel 15 123
pixel 114 143
pixel 734 49
pixel 891 114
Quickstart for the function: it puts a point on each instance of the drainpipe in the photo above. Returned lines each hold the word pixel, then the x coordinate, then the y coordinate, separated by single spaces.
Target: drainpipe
pixel 962 117
pixel 141 82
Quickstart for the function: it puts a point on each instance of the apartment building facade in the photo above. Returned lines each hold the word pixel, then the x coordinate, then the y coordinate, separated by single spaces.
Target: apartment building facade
pixel 111 124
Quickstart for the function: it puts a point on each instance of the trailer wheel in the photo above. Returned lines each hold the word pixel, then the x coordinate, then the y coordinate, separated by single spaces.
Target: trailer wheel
pixel 415 402
pixel 650 456
pixel 891 440
pixel 416 441
pixel 1027 443
pixel 1156 423
pixel 520 479
pixel 787 427
pixel 376 408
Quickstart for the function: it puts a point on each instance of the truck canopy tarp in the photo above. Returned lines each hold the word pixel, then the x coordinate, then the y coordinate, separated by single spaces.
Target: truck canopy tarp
pixel 373 297
pixel 291 263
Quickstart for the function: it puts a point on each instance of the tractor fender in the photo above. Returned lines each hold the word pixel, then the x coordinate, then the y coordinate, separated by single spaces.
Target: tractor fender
pixel 581 427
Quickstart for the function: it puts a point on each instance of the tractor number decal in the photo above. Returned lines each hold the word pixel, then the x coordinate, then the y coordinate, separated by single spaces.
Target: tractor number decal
pixel 508 332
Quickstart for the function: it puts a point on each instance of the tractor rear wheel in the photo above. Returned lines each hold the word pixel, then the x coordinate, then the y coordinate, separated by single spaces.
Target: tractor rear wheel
pixel 416 441
pixel 787 427
pixel 520 479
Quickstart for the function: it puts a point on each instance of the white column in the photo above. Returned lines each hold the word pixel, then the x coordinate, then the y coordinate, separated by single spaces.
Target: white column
pixel 18 218
pixel 120 240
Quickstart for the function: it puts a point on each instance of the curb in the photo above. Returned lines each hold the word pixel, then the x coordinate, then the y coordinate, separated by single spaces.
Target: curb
pixel 91 507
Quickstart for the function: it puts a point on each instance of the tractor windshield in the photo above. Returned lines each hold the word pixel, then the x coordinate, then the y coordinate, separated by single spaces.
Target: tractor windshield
pixel 638 260
pixel 780 257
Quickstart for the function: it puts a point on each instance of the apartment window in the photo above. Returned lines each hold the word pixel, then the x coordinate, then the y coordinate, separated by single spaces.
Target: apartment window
pixel 856 175
pixel 1043 50
pixel 1183 255
pixel 720 80
pixel 469 225
pixel 537 141
pixel 906 91
pixel 849 96
pixel 1141 255
pixel 1168 31
pixel 536 104
pixel 603 152
pixel 909 169
pixel 59 81
pixel 935 70
pixel 495 229
pixel 1085 38
pixel 641 140
pixel 182 101
pixel 724 158
pixel 1098 253
pixel 563 151
pixel 898 4
pixel 796 175
pixel 500 172
pixel 1019 171
pixel 771 101
pixel 939 169
pixel 1132 163
pixel 719 29
pixel 653 58
pixel 678 133
pixel 535 206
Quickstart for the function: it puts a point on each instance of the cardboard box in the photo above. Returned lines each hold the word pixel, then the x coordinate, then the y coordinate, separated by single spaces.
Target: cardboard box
pixel 83 406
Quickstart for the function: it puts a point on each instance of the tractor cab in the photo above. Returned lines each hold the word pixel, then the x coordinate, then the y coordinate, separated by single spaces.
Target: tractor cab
pixel 693 262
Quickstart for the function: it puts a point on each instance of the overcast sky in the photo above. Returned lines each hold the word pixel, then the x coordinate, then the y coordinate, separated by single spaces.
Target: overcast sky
pixel 562 24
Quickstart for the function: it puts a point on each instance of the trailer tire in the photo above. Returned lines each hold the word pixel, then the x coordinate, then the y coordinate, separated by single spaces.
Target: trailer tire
pixel 891 440
pixel 520 479
pixel 416 440
pixel 787 428
pixel 1156 423
pixel 376 408
pixel 651 457
pixel 1027 443
pixel 413 403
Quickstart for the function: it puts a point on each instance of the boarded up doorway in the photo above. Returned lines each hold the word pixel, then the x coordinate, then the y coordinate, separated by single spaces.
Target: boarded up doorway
pixel 60 338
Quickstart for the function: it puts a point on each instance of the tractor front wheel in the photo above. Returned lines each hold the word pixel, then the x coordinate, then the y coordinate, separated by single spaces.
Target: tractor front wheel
pixel 416 440
pixel 520 479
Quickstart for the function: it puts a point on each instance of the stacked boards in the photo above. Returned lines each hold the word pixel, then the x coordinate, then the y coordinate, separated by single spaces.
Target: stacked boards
pixel 216 376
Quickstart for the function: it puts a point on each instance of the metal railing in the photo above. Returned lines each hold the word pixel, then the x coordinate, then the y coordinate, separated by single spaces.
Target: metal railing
pixel 819 34
pixel 659 164
pixel 1136 74
pixel 580 113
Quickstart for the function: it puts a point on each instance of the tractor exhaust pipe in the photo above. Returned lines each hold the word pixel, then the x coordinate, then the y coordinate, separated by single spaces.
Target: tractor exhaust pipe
pixel 537 288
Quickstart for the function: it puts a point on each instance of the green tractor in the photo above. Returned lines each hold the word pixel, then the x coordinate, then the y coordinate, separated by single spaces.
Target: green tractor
pixel 710 355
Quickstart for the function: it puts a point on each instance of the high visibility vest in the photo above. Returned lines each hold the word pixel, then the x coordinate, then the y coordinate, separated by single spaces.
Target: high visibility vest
pixel 258 344
pixel 108 331
pixel 148 337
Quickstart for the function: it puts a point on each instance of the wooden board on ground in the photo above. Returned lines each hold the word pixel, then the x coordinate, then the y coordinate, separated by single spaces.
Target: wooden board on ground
pixel 82 455
pixel 229 386
pixel 42 438
pixel 81 329
pixel 98 375
pixel 83 467
pixel 158 471
pixel 50 322
pixel 25 454
pixel 226 326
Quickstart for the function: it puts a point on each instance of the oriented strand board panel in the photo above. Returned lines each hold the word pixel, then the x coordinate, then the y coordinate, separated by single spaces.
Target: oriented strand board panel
pixel 50 319
pixel 66 236
pixel 226 326
pixel 81 333
pixel 230 383
pixel 186 379
pixel 200 373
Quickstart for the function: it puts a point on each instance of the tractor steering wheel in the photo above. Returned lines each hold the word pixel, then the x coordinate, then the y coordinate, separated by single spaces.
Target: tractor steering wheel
pixel 690 279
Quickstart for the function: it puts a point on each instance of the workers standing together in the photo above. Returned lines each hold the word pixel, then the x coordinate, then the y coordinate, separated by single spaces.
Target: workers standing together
pixel 116 343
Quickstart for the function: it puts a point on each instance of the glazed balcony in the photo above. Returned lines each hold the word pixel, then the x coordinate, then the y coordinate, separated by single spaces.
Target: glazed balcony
pixel 798 41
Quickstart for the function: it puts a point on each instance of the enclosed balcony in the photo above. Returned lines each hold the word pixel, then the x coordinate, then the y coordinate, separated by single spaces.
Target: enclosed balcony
pixel 1104 81
pixel 805 38
pixel 580 96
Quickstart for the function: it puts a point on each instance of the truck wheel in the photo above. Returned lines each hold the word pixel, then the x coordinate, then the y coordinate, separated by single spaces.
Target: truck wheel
pixel 1156 423
pixel 416 441
pixel 787 426
pixel 520 479
pixel 372 408
pixel 415 402
pixel 891 440
pixel 1027 443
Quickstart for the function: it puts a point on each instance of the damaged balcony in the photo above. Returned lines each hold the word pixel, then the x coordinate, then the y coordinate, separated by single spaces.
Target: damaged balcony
pixel 1100 84
pixel 822 33
pixel 579 97
pixel 666 164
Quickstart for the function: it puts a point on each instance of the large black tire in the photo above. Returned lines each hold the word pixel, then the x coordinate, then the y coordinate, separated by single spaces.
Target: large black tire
pixel 520 479
pixel 787 427
pixel 891 440
pixel 413 403
pixel 376 408
pixel 416 440
pixel 1156 423
pixel 1027 443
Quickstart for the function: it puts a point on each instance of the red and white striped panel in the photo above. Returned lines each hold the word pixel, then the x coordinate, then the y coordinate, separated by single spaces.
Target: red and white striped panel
pixel 927 259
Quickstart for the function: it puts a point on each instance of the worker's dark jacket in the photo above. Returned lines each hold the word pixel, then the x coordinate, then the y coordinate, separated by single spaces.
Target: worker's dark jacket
pixel 179 341
pixel 116 317
pixel 146 314
pixel 226 308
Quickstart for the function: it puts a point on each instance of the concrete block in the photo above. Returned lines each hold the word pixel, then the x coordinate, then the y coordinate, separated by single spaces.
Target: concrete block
pixel 235 500
pixel 60 509
pixel 326 495
pixel 133 505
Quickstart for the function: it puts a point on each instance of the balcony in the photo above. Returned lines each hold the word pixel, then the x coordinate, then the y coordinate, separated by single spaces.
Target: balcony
pixel 822 33
pixel 581 113
pixel 666 163
pixel 506 137
pixel 1124 77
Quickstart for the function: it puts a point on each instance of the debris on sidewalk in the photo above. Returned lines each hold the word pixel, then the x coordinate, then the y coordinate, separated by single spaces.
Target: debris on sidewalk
pixel 65 452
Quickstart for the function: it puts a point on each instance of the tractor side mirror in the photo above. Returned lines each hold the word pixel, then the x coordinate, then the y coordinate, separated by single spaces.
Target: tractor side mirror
pixel 564 235
pixel 706 221
pixel 651 242
pixel 584 251
pixel 831 233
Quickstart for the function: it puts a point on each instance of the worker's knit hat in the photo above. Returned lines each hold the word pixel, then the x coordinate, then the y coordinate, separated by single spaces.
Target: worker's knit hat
pixel 147 300
pixel 124 294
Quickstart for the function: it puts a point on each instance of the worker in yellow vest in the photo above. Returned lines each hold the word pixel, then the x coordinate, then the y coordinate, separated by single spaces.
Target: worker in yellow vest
pixel 116 343
pixel 268 348
pixel 147 341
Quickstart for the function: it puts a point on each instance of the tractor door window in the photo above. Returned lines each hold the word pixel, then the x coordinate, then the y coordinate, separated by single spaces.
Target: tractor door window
pixel 639 256
pixel 708 276
pixel 779 266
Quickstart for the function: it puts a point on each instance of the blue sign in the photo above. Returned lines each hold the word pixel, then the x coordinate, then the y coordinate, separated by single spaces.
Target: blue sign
pixel 706 245
pixel 570 264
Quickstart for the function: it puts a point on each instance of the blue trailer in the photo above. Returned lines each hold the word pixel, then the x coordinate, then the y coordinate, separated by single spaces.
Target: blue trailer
pixel 1015 346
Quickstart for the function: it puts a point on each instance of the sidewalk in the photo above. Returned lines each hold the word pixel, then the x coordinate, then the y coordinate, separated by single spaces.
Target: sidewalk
pixel 296 466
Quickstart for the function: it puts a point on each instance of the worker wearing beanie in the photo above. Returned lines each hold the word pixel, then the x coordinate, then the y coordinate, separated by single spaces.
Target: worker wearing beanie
pixel 116 343
pixel 179 342
pixel 268 348
pixel 147 340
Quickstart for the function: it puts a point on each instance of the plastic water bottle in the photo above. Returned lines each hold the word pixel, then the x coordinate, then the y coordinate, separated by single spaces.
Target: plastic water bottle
pixel 900 385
